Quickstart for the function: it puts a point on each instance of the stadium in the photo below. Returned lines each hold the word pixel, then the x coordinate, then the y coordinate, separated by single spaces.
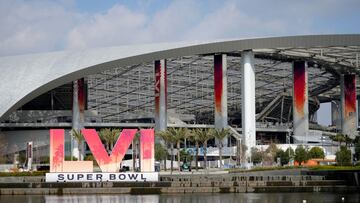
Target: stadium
pixel 266 90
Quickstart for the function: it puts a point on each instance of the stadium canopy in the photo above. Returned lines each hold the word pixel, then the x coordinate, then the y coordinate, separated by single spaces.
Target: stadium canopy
pixel 24 77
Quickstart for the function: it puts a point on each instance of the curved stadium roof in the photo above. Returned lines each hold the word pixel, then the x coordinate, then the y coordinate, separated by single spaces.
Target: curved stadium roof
pixel 129 71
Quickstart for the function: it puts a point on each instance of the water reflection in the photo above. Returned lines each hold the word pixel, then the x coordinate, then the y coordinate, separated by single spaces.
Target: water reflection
pixel 103 199
pixel 186 198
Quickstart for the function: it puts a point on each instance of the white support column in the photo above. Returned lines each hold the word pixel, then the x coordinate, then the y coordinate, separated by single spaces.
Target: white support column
pixel 300 102
pixel 248 101
pixel 29 155
pixel 78 113
pixel 160 95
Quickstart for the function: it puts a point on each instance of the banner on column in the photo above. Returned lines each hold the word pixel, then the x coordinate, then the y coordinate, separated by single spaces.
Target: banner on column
pixel 349 122
pixel 160 94
pixel 220 91
pixel 300 101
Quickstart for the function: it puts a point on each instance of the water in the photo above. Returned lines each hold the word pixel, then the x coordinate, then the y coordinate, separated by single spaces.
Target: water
pixel 187 198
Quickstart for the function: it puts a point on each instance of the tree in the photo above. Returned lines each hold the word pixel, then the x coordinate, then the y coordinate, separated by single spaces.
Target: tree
pixel 256 155
pixel 291 153
pixel 135 149
pixel 109 136
pixel 220 135
pixel 204 136
pixel 80 140
pixel 105 136
pixel 348 141
pixel 270 153
pixel 301 155
pixel 343 156
pixel 160 152
pixel 284 157
pixel 185 156
pixel 179 135
pixel 196 139
pixel 241 152
pixel 272 149
pixel 163 136
pixel 357 148
pixel 115 133
pixel 169 139
pixel 316 153
pixel 338 138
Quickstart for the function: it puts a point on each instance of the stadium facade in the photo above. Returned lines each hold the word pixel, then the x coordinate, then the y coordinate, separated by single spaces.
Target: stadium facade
pixel 265 89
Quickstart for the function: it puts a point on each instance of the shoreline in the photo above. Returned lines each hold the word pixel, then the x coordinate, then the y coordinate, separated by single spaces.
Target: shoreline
pixel 254 182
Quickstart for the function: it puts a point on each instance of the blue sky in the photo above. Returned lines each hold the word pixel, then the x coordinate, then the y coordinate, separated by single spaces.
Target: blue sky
pixel 30 26
pixel 94 6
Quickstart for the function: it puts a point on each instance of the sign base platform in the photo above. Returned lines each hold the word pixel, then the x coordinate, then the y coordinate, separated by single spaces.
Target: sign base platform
pixel 102 177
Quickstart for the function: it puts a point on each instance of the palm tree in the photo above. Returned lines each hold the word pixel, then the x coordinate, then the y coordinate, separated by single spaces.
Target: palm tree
pixel 195 138
pixel 135 150
pixel 109 136
pixel 204 137
pixel 169 138
pixel 105 135
pixel 115 133
pixel 240 152
pixel 179 134
pixel 163 136
pixel 220 134
pixel 79 139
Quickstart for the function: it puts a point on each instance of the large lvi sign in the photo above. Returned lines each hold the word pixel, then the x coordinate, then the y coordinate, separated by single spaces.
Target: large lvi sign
pixel 71 171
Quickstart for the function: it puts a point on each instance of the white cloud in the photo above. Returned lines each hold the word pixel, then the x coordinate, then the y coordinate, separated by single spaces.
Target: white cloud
pixel 123 26
pixel 33 26
pixel 175 21
pixel 117 26
pixel 181 20
pixel 44 25
pixel 231 22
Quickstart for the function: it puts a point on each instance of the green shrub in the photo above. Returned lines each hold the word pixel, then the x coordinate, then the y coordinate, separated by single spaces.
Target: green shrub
pixel 261 168
pixel 284 157
pixel 44 159
pixel 357 148
pixel 332 167
pixel 160 152
pixel 290 152
pixel 33 173
pixel 343 156
pixel 3 160
pixel 301 154
pixel 316 153
pixel 90 157
pixel 68 158
pixel 185 156
pixel 256 155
